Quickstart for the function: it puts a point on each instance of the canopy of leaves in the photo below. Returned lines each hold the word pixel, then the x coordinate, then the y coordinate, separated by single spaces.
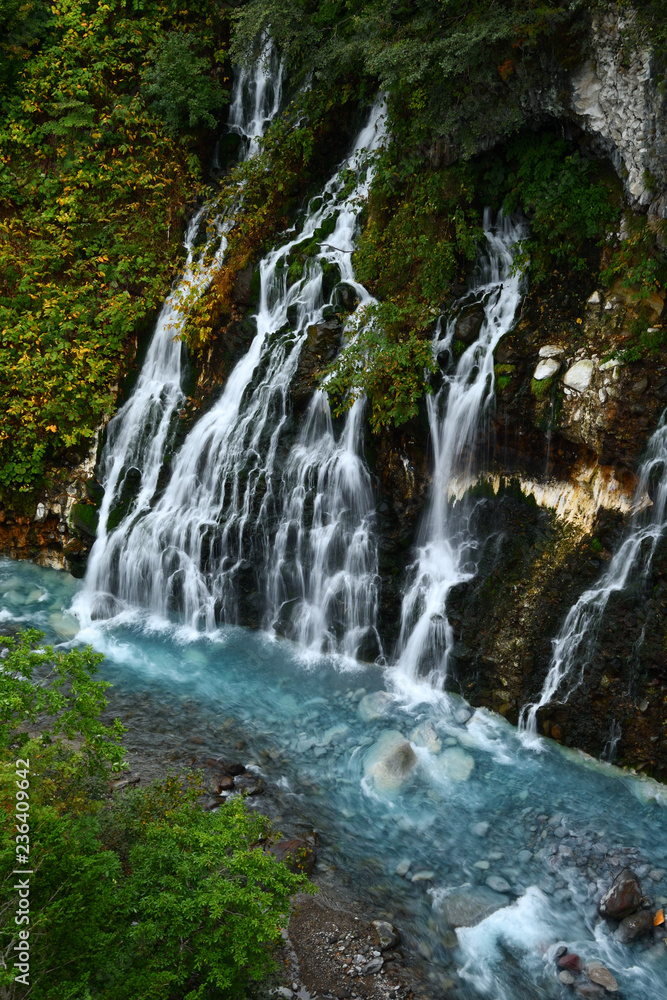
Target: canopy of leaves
pixel 93 184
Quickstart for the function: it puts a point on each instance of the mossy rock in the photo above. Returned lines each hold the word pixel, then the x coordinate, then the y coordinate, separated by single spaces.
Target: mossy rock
pixel 84 519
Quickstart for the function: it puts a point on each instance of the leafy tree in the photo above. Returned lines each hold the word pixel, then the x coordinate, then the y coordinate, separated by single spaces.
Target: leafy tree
pixel 180 86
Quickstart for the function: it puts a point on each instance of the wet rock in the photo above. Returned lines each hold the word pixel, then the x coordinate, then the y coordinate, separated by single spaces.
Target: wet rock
pixel 455 764
pixel 242 290
pixel 571 961
pixel 546 369
pixel 298 855
pixel 390 761
pixel 375 705
pixel 225 784
pixel 234 769
pixel 566 977
pixel 322 345
pixel 425 735
pixel 631 927
pixel 423 876
pixel 588 990
pixel 597 973
pixel 469 323
pixel 578 377
pixel 481 829
pixel 385 934
pixel 402 868
pixel 624 897
pixel 497 883
pixel 466 906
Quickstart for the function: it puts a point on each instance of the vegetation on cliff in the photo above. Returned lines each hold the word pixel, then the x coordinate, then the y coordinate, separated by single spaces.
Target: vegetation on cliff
pixel 133 895
pixel 95 169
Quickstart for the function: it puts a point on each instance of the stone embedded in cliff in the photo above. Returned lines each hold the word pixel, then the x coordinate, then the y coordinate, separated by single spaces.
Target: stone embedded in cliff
pixel 375 705
pixel 389 762
pixel 594 299
pixel 469 323
pixel 242 290
pixel 551 351
pixel 624 897
pixel 579 376
pixel 546 369
pixel 425 735
pixel 633 926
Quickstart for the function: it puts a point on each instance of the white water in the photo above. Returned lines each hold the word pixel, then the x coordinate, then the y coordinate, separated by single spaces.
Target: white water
pixel 575 642
pixel 193 548
pixel 446 556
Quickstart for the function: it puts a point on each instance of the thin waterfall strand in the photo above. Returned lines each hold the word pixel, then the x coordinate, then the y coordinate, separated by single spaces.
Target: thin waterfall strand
pixel 446 555
pixel 573 646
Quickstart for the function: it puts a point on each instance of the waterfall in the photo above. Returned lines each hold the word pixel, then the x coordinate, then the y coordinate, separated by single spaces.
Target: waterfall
pixel 573 646
pixel 446 553
pixel 139 434
pixel 208 536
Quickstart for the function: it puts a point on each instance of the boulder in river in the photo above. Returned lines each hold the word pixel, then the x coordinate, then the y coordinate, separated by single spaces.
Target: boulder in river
pixel 375 705
pixel 467 905
pixel 455 764
pixel 597 973
pixel 633 926
pixel 390 761
pixel 385 934
pixel 425 735
pixel 623 898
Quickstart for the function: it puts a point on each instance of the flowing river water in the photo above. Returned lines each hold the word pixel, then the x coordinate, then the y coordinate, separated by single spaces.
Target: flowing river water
pixel 502 853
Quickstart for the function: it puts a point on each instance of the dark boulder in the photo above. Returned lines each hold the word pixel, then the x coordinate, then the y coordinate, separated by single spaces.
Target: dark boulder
pixel 624 897
pixel 469 322
pixel 298 855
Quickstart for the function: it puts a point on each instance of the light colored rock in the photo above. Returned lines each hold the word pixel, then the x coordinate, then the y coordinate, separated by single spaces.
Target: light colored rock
pixel 423 876
pixel 425 735
pixel 594 299
pixel 597 973
pixel 566 977
pixel 480 829
pixel 373 967
pixel 386 934
pixel 389 762
pixel 551 351
pixel 375 705
pixel 546 369
pixel 482 865
pixel 455 764
pixel 403 867
pixel 579 376
pixel 497 883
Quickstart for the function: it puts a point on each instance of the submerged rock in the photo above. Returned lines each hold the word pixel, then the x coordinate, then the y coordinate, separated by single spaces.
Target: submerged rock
pixel 390 761
pixel 375 705
pixel 597 973
pixel 467 905
pixel 455 764
pixel 631 927
pixel 425 735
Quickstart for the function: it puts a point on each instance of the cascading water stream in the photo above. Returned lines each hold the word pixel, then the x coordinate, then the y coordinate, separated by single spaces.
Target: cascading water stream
pixel 446 555
pixel 573 646
pixel 138 435
pixel 214 522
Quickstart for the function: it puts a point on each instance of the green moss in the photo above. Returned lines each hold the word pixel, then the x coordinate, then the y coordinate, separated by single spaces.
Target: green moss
pixel 84 518
pixel 542 388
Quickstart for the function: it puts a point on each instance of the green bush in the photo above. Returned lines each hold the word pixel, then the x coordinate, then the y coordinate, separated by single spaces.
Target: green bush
pixel 135 896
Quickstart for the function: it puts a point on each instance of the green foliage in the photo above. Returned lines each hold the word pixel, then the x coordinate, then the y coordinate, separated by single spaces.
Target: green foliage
pixel 60 690
pixel 450 69
pixel 180 86
pixel 92 187
pixel 569 205
pixel 637 261
pixel 133 896
pixel 383 362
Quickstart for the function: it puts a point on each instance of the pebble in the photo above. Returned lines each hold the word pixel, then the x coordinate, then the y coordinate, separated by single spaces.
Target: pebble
pixel 373 966
pixel 482 865
pixel 402 868
pixel 481 829
pixel 423 876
